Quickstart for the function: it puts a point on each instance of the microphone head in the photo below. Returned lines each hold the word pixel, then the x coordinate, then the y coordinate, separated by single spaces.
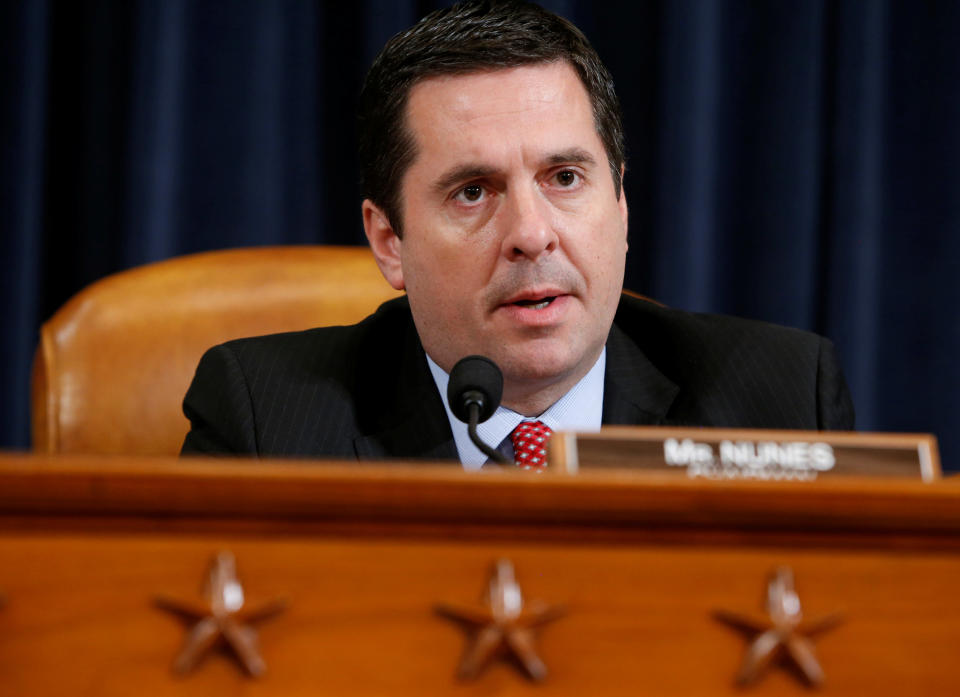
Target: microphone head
pixel 474 380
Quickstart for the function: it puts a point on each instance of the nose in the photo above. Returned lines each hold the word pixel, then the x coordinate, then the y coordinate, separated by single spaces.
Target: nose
pixel 528 230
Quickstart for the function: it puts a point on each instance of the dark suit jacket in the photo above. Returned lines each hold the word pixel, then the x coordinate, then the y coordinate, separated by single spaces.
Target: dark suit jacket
pixel 366 391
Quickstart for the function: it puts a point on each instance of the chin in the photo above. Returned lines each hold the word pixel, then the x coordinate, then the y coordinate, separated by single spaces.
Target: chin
pixel 537 366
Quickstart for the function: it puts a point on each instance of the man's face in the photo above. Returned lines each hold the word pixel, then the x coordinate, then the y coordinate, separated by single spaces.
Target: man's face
pixel 514 240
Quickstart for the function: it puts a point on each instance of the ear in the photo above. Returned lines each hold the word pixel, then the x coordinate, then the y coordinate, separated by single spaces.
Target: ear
pixel 384 243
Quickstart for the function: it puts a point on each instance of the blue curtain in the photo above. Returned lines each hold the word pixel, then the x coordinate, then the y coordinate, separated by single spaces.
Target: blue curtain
pixel 795 162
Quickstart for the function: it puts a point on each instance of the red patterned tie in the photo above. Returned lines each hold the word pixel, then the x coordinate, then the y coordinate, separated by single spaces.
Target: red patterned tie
pixel 530 445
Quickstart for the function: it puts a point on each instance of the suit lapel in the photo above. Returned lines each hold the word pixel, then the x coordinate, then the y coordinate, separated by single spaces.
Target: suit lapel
pixel 424 435
pixel 410 421
pixel 634 391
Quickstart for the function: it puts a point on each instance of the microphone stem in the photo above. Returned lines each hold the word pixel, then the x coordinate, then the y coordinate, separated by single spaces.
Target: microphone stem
pixel 495 455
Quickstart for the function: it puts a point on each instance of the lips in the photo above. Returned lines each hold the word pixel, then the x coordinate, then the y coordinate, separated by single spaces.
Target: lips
pixel 537 309
pixel 536 304
pixel 534 299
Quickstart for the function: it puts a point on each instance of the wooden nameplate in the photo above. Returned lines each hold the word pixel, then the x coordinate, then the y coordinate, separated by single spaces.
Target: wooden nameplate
pixel 747 454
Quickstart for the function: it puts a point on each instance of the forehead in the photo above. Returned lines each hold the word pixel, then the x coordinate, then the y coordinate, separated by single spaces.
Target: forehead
pixel 529 110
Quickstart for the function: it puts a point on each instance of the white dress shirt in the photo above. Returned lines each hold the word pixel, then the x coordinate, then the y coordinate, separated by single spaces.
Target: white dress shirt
pixel 580 409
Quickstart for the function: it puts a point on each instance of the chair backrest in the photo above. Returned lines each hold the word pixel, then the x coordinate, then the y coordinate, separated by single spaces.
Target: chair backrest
pixel 115 361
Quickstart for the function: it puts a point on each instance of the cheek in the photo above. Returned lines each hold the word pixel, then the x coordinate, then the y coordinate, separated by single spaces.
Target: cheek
pixel 437 277
pixel 455 260
pixel 600 246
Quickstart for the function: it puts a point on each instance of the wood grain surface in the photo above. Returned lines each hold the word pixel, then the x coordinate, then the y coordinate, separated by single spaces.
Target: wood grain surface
pixel 364 554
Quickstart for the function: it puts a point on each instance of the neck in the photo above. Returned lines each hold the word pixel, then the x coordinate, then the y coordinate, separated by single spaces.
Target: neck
pixel 532 397
pixel 533 404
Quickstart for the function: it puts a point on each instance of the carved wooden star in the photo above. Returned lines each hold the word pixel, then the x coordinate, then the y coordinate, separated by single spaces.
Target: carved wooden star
pixel 501 625
pixel 222 619
pixel 784 633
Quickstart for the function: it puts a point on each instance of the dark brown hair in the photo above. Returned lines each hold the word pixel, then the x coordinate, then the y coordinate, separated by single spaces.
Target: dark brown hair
pixel 469 37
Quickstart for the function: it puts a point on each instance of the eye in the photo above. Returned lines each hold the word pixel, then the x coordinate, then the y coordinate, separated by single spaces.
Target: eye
pixel 471 193
pixel 567 178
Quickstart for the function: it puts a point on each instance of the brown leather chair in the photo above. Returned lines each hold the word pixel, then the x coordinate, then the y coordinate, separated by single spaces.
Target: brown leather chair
pixel 114 363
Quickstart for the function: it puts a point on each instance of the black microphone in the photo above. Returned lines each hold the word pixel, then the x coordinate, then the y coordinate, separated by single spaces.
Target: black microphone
pixel 474 392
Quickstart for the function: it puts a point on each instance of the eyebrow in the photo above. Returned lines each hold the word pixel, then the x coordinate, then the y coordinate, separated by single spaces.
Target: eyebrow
pixel 577 156
pixel 470 171
pixel 461 173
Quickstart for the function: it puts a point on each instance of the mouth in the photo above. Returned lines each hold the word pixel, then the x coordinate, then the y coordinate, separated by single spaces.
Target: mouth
pixel 535 303
pixel 534 299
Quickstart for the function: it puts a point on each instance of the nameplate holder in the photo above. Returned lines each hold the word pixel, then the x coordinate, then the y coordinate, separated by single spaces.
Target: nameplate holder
pixel 747 454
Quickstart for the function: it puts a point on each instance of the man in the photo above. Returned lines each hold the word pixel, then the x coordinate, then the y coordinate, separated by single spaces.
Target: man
pixel 492 155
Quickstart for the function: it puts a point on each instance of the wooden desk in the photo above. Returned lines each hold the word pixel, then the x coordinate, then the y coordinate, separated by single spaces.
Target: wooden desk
pixel 364 553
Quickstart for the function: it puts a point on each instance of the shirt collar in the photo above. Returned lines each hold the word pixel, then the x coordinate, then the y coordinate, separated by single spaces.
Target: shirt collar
pixel 580 409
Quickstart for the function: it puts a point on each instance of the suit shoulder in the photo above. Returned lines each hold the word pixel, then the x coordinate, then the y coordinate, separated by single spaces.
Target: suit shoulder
pixel 674 335
pixel 346 344
pixel 738 372
pixel 292 393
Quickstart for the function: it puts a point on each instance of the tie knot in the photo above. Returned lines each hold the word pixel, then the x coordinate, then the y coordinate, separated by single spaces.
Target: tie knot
pixel 530 444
